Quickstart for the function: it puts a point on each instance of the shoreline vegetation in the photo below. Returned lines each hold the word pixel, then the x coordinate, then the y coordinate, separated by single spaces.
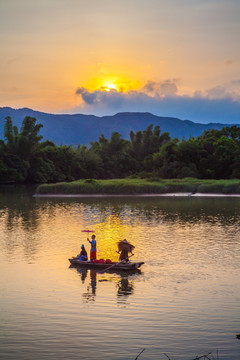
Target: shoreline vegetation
pixel 147 154
pixel 147 187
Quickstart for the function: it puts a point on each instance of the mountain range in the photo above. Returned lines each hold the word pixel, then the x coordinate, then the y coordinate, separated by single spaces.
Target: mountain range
pixel 82 129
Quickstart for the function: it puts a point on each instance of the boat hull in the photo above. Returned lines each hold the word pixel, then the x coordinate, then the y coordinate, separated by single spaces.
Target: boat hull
pixel 131 266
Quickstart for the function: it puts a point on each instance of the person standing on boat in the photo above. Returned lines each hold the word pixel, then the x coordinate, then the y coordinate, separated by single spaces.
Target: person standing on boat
pixel 124 248
pixel 83 254
pixel 93 250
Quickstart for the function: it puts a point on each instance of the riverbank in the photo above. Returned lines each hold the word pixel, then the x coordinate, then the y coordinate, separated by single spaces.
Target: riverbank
pixel 143 187
pixel 137 195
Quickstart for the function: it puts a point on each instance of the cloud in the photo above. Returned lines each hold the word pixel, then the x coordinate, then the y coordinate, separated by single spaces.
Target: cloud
pixel 87 96
pixel 220 92
pixel 168 88
pixel 236 82
pixel 229 62
pixel 165 88
pixel 150 87
pixel 110 98
pixel 152 91
pixel 217 104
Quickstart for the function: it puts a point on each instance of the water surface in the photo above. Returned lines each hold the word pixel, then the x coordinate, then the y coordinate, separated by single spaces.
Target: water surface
pixel 185 301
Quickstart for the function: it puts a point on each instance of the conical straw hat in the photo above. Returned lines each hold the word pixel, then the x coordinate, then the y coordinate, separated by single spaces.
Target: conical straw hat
pixel 125 245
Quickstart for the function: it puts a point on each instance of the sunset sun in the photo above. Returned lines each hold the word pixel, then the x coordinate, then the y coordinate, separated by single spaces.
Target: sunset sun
pixel 110 86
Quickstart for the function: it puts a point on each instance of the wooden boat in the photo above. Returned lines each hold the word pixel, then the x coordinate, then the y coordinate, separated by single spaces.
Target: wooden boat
pixel 130 266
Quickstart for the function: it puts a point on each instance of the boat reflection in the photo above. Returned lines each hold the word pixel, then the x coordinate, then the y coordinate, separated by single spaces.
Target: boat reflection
pixel 125 287
pixel 123 280
pixel 90 294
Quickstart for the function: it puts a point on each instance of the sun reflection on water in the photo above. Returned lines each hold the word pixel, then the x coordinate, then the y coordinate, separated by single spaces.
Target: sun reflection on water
pixel 184 299
pixel 109 232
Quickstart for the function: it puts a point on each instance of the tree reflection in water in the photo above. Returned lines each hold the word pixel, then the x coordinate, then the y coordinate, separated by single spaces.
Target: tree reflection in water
pixel 27 221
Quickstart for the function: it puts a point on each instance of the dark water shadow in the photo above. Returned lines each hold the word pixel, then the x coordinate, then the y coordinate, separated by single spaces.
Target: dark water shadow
pixel 123 280
pixel 225 210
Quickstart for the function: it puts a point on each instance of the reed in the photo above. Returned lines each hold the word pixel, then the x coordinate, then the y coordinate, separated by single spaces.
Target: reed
pixel 130 186
pixel 208 356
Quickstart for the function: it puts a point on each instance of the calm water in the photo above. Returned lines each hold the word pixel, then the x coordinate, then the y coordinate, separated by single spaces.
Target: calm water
pixel 184 303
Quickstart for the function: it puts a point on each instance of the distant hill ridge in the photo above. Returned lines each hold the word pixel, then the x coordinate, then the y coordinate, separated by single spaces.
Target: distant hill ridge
pixel 81 129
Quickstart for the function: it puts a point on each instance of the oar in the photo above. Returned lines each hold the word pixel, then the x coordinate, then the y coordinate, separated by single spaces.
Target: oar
pixel 116 264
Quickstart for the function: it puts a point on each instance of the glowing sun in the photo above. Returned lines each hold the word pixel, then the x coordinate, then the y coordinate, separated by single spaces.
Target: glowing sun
pixel 109 86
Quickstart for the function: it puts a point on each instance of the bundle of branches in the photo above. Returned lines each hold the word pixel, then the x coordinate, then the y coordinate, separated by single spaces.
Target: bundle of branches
pixel 125 245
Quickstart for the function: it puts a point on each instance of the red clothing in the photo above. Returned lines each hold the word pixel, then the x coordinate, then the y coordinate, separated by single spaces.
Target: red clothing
pixel 93 254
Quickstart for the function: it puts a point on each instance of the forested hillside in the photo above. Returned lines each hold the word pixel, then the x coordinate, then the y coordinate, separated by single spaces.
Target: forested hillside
pixel 24 157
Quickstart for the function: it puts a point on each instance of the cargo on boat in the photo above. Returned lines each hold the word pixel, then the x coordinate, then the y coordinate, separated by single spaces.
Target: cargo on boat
pixel 124 266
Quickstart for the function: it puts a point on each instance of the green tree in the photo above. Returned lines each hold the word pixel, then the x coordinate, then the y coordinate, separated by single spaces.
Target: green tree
pixel 114 155
pixel 10 134
pixel 225 154
pixel 28 139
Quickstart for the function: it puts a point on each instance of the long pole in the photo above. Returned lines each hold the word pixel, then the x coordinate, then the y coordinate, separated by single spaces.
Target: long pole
pixel 116 264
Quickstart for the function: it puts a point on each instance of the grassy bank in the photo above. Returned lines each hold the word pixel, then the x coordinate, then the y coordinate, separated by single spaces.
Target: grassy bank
pixel 141 186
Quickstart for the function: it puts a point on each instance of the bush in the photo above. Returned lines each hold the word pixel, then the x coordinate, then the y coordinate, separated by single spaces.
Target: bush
pixel 90 181
pixel 142 186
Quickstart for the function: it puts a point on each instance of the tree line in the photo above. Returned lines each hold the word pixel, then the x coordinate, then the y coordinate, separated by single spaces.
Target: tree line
pixel 24 157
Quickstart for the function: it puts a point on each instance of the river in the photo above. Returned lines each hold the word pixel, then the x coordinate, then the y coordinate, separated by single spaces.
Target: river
pixel 185 301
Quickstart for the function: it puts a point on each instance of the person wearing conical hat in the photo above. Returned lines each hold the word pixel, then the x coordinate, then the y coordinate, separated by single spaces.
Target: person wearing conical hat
pixel 124 248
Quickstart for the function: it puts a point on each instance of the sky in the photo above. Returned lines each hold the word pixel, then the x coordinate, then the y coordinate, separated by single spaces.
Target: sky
pixel 178 58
